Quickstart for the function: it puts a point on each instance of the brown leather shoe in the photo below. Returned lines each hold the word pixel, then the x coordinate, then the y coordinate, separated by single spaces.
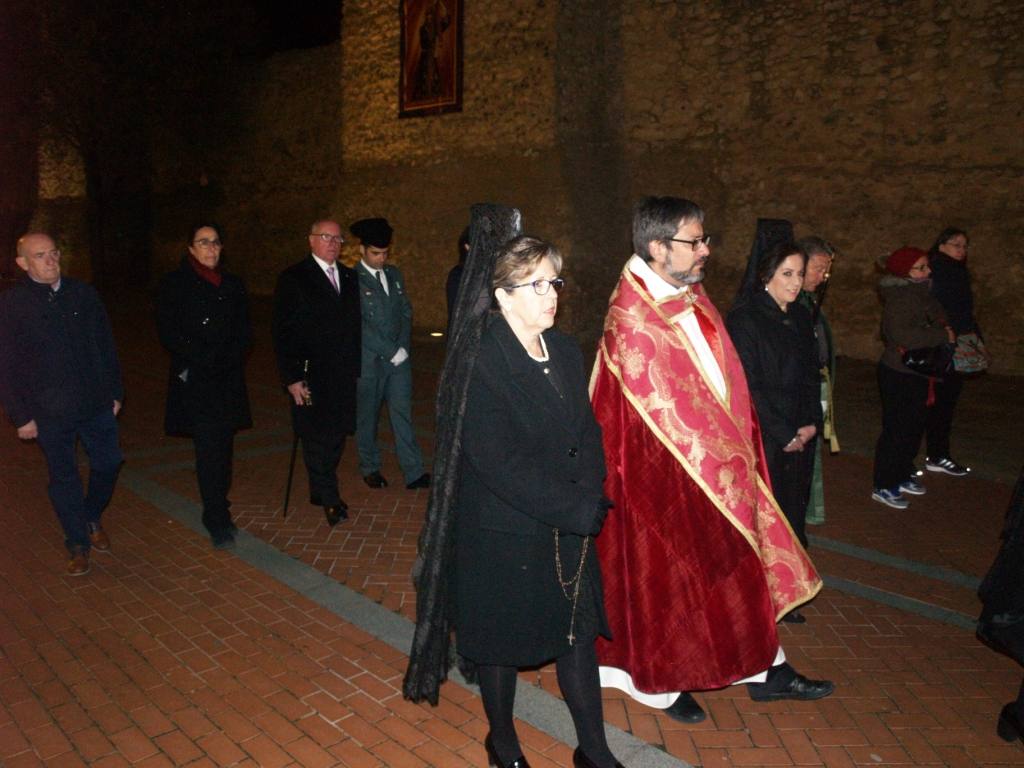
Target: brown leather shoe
pixel 78 565
pixel 98 537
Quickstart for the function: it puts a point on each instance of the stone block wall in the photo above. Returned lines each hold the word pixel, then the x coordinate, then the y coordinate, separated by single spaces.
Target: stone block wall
pixel 873 124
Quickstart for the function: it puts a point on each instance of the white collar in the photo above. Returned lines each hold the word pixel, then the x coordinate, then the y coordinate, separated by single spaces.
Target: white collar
pixel 659 287
pixel 323 264
pixel 372 270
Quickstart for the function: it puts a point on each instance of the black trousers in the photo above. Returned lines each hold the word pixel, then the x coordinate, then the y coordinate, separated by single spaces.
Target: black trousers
pixel 214 445
pixel 791 475
pixel 940 415
pixel 904 411
pixel 321 457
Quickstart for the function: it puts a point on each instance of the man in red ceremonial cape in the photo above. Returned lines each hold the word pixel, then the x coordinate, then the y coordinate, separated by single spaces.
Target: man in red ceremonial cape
pixel 699 561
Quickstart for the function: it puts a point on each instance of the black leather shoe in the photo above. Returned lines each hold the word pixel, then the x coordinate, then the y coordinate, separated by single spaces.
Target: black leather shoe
pixel 799 688
pixel 1010 726
pixel 336 513
pixel 375 480
pixel 423 481
pixel 794 617
pixel 685 709
pixel 580 760
pixel 494 762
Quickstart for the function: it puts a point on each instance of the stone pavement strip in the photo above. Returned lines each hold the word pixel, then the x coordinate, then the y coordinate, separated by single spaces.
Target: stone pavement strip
pixel 290 649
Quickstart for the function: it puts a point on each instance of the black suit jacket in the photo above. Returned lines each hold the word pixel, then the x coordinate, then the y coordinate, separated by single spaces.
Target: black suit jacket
pixel 532 462
pixel 312 322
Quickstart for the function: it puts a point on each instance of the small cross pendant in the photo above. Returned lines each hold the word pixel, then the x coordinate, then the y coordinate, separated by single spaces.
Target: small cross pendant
pixel 571 637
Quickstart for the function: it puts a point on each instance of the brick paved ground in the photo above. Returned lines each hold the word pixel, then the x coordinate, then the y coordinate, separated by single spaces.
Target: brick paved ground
pixel 170 653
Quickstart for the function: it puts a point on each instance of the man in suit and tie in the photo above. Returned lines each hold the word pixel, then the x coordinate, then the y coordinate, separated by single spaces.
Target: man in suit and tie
pixel 386 370
pixel 316 330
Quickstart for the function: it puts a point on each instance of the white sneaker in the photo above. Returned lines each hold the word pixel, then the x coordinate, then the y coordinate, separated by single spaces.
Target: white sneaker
pixel 946 465
pixel 891 498
pixel 912 487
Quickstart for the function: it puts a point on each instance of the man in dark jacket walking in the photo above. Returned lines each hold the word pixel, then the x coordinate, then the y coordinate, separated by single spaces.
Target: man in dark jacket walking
pixel 60 382
pixel 316 330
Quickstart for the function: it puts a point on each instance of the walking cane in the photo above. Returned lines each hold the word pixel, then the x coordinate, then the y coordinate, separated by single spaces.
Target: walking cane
pixel 291 473
pixel 295 448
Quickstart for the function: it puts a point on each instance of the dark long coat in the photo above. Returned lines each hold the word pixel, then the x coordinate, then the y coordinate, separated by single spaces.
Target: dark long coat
pixel 206 330
pixel 780 359
pixel 312 322
pixel 532 462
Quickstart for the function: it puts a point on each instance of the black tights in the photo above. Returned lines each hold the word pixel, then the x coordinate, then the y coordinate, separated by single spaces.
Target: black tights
pixel 581 688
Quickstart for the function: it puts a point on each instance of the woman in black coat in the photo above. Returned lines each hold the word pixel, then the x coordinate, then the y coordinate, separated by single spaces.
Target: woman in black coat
pixel 527 584
pixel 203 322
pixel 951 285
pixel 774 336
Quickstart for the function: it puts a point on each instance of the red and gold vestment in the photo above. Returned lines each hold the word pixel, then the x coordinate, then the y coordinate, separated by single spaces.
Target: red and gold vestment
pixel 698 560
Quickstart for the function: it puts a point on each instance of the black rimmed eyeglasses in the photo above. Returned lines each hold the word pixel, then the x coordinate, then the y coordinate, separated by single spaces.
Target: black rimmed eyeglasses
pixel 541 287
pixel 702 240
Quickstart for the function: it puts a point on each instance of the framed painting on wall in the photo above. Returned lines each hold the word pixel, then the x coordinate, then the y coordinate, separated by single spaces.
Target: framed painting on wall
pixel 431 57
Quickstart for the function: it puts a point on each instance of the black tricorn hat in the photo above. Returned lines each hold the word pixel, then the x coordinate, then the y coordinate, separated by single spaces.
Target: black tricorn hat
pixel 373 232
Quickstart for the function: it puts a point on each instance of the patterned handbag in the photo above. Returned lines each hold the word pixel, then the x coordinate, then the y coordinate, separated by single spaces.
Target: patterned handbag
pixel 970 355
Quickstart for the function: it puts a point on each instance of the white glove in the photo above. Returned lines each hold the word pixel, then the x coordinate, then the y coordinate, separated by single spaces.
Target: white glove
pixel 400 356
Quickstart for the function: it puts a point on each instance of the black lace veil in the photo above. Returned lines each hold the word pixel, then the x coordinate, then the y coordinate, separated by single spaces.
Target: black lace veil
pixel 770 232
pixel 491 226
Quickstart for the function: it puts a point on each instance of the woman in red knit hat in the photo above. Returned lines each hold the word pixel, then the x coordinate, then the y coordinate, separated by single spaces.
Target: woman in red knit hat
pixel 911 319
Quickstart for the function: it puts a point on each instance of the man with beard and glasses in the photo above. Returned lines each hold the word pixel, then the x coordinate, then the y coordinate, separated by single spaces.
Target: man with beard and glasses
pixel 699 562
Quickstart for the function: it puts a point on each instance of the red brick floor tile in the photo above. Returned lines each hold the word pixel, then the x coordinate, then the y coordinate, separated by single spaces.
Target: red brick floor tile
pixel 193 723
pixel 363 732
pixel 327 707
pixel 714 758
pixel 320 730
pixel 133 744
pixel 220 749
pixel 266 752
pixel 352 754
pixel 755 756
pixel 12 740
pixel 235 726
pixel 24 760
pixel 110 718
pixel 65 760
pixel 156 761
pixel 179 747
pixel 92 743
pixel 277 727
pixel 395 756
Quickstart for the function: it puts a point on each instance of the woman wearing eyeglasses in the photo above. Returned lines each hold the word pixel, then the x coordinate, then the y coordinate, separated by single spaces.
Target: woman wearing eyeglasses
pixel 203 322
pixel 951 285
pixel 525 580
pixel 911 319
